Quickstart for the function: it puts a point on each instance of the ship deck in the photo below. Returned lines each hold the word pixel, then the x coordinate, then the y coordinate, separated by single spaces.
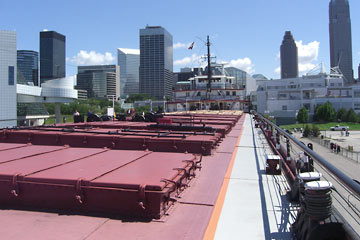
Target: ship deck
pixel 230 198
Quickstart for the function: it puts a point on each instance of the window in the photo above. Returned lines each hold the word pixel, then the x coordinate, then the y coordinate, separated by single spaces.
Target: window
pixel 234 93
pixel 227 93
pixel 356 106
pixel 307 106
pixel 357 93
pixel 198 94
pixel 282 95
pixel 11 75
pixel 284 107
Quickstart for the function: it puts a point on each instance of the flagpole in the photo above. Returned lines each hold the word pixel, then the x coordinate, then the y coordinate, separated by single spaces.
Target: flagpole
pixel 208 90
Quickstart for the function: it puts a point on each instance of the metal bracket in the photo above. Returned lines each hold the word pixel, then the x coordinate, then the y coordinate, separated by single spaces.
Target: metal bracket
pixel 144 143
pixel 198 163
pixel 171 182
pixel 29 137
pixel 15 186
pixel 192 168
pixel 174 145
pixel 185 176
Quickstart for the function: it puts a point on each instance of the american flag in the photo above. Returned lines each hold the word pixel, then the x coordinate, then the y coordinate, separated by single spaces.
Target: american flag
pixel 191 46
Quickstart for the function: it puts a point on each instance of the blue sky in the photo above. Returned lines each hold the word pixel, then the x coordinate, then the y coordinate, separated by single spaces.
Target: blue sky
pixel 246 34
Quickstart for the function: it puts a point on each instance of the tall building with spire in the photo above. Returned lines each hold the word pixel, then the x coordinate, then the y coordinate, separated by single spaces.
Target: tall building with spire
pixel 289 57
pixel 340 38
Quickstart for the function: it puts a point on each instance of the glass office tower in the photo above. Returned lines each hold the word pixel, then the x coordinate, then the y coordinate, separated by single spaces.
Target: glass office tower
pixel 28 67
pixel 52 55
pixel 156 62
pixel 129 62
pixel 100 81
pixel 340 38
pixel 8 115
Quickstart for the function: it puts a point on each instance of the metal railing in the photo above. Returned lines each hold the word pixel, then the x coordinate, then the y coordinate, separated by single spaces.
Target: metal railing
pixel 351 155
pixel 343 178
pixel 346 191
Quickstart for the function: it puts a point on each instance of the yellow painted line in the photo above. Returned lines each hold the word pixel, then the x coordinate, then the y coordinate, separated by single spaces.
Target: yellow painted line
pixel 215 216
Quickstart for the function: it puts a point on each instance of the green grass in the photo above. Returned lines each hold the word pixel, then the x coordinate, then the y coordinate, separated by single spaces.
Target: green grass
pixel 51 120
pixel 324 126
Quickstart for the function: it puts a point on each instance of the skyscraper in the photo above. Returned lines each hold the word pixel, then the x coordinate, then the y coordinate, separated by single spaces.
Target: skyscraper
pixel 156 62
pixel 8 115
pixel 340 38
pixel 52 55
pixel 289 57
pixel 28 67
pixel 100 81
pixel 129 62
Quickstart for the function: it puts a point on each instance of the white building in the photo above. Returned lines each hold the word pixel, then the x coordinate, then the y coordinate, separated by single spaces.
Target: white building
pixel 129 62
pixel 225 93
pixel 282 98
pixel 8 64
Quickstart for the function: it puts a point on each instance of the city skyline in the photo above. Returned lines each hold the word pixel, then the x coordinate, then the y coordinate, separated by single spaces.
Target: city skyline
pixel 251 47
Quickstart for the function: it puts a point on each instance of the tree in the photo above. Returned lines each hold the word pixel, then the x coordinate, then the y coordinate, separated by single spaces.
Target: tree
pixel 325 112
pixel 341 114
pixel 303 115
pixel 315 131
pixel 351 116
pixel 307 131
pixel 138 97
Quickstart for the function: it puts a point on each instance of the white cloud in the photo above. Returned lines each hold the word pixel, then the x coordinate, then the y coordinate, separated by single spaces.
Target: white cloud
pixel 244 64
pixel 92 58
pixel 309 52
pixel 186 61
pixel 179 45
pixel 307 56
pixel 277 70
pixel 305 67
pixel 45 30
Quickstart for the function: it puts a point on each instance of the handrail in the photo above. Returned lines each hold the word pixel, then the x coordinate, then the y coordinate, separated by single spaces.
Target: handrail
pixel 347 181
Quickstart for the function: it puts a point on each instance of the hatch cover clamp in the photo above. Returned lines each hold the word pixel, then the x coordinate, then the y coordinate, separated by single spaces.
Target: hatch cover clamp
pixel 15 186
pixel 79 194
pixel 142 196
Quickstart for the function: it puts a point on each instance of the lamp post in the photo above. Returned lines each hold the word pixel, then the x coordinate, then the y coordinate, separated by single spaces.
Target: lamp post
pixel 164 104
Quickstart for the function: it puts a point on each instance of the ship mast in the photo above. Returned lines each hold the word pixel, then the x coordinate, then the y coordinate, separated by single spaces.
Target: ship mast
pixel 208 89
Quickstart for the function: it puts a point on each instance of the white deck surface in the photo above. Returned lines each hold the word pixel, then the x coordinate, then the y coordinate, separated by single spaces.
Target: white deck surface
pixel 255 205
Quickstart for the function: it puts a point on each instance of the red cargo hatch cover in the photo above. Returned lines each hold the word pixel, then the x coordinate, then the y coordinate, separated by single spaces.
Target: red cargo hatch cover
pixel 30 150
pixel 149 170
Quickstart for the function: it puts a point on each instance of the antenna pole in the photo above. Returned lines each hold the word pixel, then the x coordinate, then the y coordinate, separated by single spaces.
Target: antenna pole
pixel 208 90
